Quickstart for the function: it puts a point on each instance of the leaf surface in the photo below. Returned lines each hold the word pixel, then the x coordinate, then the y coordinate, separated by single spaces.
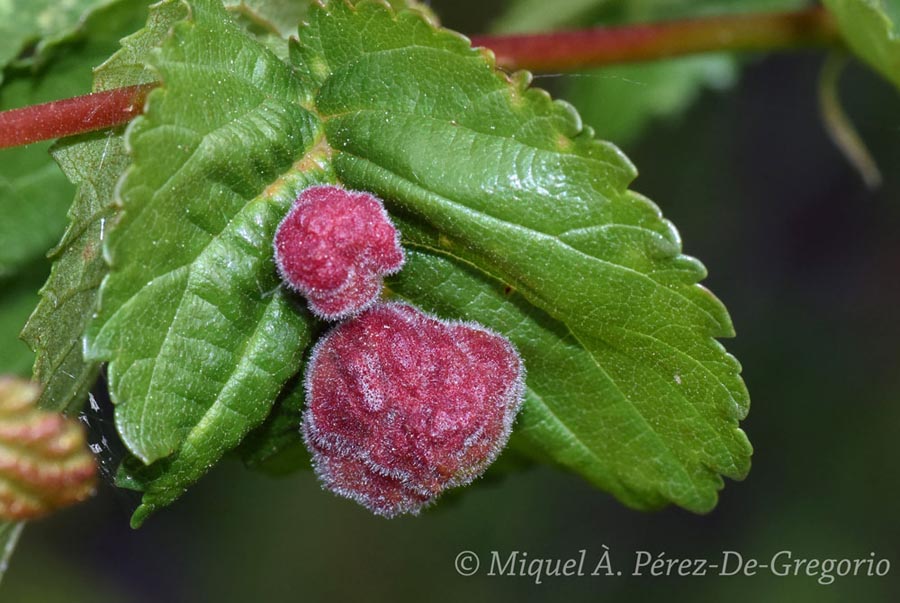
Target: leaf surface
pixel 18 296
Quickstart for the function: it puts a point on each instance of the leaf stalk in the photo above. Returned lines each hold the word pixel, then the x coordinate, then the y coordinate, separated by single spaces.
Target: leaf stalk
pixel 70 116
pixel 554 51
pixel 600 46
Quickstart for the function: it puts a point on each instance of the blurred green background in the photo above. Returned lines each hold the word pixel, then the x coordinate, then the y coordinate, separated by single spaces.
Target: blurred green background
pixel 806 260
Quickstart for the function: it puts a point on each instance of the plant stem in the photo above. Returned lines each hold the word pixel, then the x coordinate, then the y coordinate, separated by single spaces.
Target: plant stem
pixel 71 116
pixel 568 50
pixel 557 51
pixel 839 126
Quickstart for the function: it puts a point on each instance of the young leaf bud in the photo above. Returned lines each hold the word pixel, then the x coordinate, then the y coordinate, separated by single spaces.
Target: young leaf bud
pixel 403 405
pixel 45 462
pixel 334 247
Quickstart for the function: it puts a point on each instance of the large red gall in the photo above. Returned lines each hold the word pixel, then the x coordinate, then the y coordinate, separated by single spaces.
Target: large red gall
pixel 403 405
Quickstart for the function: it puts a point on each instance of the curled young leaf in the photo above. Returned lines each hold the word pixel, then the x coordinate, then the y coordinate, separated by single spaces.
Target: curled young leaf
pixel 45 463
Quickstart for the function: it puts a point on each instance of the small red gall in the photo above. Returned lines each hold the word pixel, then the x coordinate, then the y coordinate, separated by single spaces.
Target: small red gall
pixel 334 247
pixel 403 405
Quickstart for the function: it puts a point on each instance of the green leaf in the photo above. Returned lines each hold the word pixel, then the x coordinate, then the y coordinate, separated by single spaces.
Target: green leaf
pixel 94 163
pixel 199 335
pixel 621 101
pixel 646 10
pixel 276 447
pixel 272 22
pixel 574 412
pixel 497 187
pixel 281 17
pixel 34 196
pixel 18 296
pixel 34 193
pixel 870 28
pixel 276 16
pixel 505 179
pixel 539 15
pixel 42 23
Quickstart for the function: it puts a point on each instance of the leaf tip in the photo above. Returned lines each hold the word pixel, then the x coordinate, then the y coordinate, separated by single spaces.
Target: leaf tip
pixel 141 514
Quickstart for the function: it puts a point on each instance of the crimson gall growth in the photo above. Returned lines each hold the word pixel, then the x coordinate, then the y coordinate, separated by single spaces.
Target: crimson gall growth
pixel 403 405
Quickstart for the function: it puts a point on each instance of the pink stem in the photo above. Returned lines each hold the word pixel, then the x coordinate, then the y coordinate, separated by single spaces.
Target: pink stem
pixel 568 50
pixel 71 116
pixel 556 51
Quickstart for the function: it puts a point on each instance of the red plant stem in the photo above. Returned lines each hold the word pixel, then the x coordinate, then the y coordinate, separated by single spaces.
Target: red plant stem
pixel 557 51
pixel 568 50
pixel 72 115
